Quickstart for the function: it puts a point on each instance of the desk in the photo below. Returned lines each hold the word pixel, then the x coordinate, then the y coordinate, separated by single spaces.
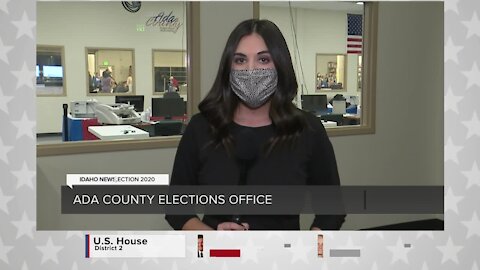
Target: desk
pixel 118 132
pixel 162 128
pixel 329 123
pixel 77 128
pixel 351 119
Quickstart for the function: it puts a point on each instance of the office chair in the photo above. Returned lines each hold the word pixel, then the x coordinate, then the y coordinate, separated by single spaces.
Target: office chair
pixel 168 128
pixel 171 95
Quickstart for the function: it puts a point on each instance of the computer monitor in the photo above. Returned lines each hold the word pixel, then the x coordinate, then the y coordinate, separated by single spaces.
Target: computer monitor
pixel 168 107
pixel 316 104
pixel 53 71
pixel 136 101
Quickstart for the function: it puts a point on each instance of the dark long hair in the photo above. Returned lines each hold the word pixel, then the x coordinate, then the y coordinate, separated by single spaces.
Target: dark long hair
pixel 220 103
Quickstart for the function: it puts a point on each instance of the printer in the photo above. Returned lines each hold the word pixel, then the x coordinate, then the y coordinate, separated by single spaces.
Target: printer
pixel 83 109
pixel 116 114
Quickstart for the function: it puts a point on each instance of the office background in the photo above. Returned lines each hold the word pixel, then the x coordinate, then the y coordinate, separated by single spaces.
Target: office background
pixel 101 25
pixel 406 149
pixel 23 247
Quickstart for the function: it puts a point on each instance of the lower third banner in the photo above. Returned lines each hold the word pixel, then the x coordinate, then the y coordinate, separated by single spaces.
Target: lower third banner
pixel 134 246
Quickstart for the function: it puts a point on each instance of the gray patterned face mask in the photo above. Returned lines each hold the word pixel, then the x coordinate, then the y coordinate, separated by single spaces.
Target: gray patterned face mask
pixel 254 87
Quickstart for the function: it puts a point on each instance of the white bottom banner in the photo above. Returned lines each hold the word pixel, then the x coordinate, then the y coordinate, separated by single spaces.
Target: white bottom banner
pixel 134 246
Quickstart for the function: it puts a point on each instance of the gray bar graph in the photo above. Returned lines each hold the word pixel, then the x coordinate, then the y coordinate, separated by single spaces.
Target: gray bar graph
pixel 344 252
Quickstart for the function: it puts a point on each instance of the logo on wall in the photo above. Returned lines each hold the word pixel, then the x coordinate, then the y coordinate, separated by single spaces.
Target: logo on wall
pixel 164 22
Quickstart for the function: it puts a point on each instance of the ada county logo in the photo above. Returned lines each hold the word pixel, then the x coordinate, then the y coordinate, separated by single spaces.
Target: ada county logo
pixel 164 22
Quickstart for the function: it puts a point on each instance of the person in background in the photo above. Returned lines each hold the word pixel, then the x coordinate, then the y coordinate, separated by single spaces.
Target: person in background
pixel 121 88
pixel 173 84
pixel 130 80
pixel 107 82
pixel 200 246
pixel 250 107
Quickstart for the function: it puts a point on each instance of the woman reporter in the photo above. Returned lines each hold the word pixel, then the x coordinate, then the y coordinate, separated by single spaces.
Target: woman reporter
pixel 249 109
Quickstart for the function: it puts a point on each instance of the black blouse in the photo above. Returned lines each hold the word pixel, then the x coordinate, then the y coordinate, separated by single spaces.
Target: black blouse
pixel 310 162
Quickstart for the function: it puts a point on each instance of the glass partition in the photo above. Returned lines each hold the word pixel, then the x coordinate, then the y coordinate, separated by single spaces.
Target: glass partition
pixel 50 71
pixel 110 71
pixel 170 72
pixel 107 38
pixel 330 72
pixel 327 43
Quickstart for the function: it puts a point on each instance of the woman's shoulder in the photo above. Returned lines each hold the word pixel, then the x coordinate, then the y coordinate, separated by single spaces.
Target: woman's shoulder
pixel 313 122
pixel 198 121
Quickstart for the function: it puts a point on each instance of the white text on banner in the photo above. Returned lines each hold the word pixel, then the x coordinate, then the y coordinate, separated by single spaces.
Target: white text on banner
pixel 116 179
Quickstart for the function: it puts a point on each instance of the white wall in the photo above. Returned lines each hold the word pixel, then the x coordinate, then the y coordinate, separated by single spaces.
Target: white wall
pixel 77 25
pixel 217 21
pixel 407 148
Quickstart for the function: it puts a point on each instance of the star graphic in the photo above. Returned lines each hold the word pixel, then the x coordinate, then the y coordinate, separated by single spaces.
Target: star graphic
pixel 451 5
pixel 3 201
pixel 473 25
pixel 473 226
pixel 24 26
pixel 146 259
pixel 4 51
pixel 473 75
pixel 429 234
pixel 24 265
pixel 4 151
pixel 399 252
pixel 301 252
pixel 451 51
pixel 24 176
pixel 275 234
pixel 451 101
pixel 473 176
pixel 378 234
pixel 449 251
pixel 224 234
pixel 250 251
pixel 4 250
pixel 473 126
pixel 451 151
pixel 451 201
pixel 24 226
pixel 24 126
pixel 3 5
pixel 192 249
pixel 49 251
pixel 24 76
pixel 104 260
pixel 70 234
pixel 350 245
pixel 274 266
pixel 4 100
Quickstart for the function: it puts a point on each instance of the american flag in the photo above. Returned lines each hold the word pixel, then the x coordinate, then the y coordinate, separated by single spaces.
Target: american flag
pixel 354 36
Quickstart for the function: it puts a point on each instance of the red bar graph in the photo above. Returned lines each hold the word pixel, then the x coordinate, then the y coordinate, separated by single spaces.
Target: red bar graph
pixel 224 252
